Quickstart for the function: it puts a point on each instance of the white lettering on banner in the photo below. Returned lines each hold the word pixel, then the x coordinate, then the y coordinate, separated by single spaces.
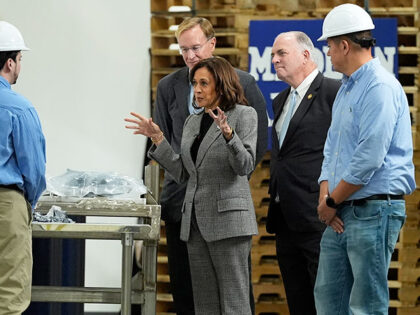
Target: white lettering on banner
pixel 388 64
pixel 261 65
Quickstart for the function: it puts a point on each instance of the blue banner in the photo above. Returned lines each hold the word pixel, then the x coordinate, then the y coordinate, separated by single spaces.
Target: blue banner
pixel 263 33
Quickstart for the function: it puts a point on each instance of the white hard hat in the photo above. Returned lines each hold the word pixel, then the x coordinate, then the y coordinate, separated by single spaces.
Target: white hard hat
pixel 10 38
pixel 345 19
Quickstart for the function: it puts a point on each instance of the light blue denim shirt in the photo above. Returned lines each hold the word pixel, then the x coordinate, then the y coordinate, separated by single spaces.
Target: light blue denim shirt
pixel 369 142
pixel 22 144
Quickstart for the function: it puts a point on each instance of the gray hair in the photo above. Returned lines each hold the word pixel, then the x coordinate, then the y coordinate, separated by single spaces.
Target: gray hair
pixel 303 41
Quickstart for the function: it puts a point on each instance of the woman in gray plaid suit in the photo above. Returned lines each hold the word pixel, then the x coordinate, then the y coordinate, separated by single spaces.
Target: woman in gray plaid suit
pixel 217 155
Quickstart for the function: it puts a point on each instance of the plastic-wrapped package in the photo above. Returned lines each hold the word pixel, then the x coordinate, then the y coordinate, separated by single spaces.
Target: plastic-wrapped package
pixel 92 183
pixel 55 214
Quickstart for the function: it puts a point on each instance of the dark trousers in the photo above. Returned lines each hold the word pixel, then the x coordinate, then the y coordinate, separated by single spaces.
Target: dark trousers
pixel 179 271
pixel 298 255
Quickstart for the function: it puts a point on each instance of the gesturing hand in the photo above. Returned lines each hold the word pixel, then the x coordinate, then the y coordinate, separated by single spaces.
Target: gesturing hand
pixel 145 126
pixel 221 122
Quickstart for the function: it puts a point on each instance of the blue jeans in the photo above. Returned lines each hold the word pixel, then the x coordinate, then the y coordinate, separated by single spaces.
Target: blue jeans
pixel 353 266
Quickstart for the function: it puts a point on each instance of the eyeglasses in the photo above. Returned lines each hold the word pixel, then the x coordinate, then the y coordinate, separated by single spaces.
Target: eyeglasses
pixel 195 49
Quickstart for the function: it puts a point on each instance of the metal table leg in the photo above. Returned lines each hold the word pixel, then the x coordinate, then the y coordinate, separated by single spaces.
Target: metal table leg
pixel 127 267
pixel 149 267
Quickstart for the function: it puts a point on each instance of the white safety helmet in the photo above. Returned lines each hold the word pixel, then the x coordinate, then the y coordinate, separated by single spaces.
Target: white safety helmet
pixel 10 38
pixel 345 19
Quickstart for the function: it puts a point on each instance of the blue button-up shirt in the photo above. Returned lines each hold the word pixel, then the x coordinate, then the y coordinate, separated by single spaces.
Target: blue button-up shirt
pixel 369 142
pixel 22 144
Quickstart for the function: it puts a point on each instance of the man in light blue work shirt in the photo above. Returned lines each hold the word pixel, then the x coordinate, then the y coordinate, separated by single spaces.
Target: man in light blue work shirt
pixel 22 176
pixel 367 169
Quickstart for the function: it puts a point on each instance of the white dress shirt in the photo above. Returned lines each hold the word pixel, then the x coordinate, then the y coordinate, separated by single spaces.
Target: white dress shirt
pixel 301 91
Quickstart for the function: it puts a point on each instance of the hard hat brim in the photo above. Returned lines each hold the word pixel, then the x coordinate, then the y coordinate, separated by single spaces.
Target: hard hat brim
pixel 24 48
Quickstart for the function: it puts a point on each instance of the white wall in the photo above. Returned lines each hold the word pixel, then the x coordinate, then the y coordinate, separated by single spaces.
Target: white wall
pixel 87 69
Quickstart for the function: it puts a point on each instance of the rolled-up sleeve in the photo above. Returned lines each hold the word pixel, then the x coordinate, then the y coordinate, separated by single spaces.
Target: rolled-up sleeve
pixel 377 120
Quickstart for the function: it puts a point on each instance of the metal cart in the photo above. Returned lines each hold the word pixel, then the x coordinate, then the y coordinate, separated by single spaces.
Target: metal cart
pixel 148 230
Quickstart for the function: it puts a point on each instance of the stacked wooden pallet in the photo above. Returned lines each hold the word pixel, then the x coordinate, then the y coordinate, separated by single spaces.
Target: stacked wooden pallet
pixel 164 302
pixel 404 272
pixel 269 292
pixel 231 20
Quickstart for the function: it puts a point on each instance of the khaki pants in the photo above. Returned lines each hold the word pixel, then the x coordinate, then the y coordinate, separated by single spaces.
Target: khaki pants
pixel 15 252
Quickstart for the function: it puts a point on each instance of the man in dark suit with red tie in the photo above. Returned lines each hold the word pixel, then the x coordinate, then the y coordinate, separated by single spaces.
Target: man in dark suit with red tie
pixel 302 116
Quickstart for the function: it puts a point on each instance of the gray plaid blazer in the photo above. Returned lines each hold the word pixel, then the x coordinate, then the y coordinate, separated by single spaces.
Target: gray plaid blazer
pixel 217 183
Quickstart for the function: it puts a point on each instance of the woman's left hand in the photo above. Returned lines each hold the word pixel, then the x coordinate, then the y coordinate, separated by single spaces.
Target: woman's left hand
pixel 221 121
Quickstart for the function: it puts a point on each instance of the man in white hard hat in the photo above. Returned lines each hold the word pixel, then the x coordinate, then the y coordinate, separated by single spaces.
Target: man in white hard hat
pixel 197 41
pixel 302 116
pixel 22 176
pixel 367 169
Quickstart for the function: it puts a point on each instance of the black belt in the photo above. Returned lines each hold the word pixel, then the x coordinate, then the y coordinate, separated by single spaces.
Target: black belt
pixel 12 187
pixel 361 202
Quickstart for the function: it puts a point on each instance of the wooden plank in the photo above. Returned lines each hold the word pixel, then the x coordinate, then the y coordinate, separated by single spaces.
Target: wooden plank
pixel 259 175
pixel 165 71
pixel 406 274
pixel 272 307
pixel 408 254
pixel 407 50
pixel 269 289
pixel 162 259
pixel 408 30
pixel 261 270
pixel 217 51
pixel 265 239
pixel 408 70
pixel 414 198
pixel 379 11
pixel 393 11
pixel 409 235
pixel 409 294
pixel 408 310
pixel 410 89
pixel 258 252
pixel 162 297
pixel 219 32
pixel 202 12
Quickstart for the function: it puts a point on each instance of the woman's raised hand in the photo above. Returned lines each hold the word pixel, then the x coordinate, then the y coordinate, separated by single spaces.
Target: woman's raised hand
pixel 221 121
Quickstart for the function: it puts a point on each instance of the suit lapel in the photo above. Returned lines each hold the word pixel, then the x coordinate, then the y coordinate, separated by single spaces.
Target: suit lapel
pixel 304 105
pixel 278 108
pixel 189 135
pixel 212 134
pixel 281 102
pixel 182 91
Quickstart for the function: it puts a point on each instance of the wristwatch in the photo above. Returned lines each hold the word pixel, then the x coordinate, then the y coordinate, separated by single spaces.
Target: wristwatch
pixel 331 202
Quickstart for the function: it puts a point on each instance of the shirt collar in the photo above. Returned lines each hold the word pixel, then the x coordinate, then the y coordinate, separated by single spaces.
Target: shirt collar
pixel 304 85
pixel 4 82
pixel 356 75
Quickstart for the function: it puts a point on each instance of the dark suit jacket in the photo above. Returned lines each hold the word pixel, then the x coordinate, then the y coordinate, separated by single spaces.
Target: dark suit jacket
pixel 171 110
pixel 295 168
